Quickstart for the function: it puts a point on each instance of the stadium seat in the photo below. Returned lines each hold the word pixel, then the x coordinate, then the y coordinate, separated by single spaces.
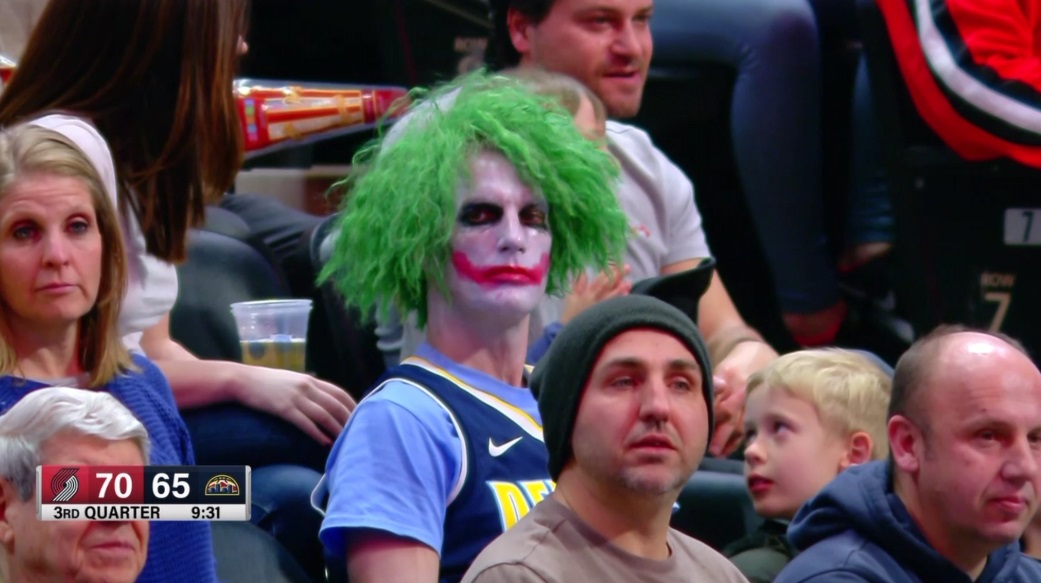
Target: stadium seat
pixel 714 506
pixel 682 290
pixel 342 343
pixel 225 222
pixel 966 243
pixel 220 270
pixel 247 554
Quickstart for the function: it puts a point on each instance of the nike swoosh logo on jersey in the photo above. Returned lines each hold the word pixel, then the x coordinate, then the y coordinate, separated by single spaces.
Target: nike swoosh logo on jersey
pixel 498 450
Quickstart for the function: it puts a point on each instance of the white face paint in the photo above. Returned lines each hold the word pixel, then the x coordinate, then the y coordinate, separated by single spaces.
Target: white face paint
pixel 501 244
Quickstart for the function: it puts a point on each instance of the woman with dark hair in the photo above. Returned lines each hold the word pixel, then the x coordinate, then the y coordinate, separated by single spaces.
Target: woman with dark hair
pixel 144 89
pixel 62 276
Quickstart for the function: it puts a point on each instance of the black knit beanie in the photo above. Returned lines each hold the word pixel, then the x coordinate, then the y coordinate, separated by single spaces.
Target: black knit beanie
pixel 561 375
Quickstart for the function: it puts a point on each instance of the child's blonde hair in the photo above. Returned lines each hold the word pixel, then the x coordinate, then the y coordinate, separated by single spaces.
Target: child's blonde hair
pixel 849 391
pixel 567 91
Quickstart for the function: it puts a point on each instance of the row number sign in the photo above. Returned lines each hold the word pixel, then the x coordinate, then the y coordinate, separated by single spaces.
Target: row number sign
pixel 1023 226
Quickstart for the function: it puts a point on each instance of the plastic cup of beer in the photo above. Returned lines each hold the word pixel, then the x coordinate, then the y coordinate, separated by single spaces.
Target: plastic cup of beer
pixel 273 333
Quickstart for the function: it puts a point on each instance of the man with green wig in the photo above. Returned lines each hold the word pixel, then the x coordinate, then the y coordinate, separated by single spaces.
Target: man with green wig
pixel 468 219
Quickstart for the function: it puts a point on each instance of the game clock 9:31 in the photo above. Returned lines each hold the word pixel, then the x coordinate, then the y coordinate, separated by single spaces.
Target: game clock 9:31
pixel 206 512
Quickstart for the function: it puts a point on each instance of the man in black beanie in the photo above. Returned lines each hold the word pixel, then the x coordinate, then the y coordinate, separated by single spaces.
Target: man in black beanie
pixel 625 395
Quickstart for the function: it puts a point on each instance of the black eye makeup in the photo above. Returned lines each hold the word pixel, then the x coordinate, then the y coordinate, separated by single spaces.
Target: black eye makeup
pixel 479 213
pixel 534 215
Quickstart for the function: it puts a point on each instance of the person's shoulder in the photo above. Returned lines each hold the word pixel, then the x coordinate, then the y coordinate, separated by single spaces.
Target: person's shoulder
pixel 637 154
pixel 76 128
pixel 507 573
pixel 708 560
pixel 524 551
pixel 13 388
pixel 763 553
pixel 847 556
pixel 144 372
pixel 145 366
pixel 145 383
pixel 627 136
pixel 59 120
pixel 404 395
pixel 8 382
pixel 406 409
pixel 1028 568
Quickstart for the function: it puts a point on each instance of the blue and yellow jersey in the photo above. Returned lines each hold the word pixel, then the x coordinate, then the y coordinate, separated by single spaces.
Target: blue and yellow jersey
pixel 503 472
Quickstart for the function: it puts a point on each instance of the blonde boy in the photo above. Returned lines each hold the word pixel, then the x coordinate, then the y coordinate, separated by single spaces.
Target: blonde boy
pixel 809 415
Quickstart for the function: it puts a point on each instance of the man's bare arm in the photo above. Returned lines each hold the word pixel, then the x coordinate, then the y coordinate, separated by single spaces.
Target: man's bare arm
pixel 378 557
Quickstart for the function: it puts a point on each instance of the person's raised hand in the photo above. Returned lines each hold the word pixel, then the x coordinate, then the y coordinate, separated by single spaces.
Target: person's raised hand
pixel 320 409
pixel 730 380
pixel 584 293
pixel 728 409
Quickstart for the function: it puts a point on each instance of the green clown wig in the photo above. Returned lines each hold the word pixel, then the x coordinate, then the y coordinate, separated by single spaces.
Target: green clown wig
pixel 398 217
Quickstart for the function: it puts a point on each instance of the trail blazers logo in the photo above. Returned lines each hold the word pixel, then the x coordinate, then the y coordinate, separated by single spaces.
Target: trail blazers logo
pixel 64 484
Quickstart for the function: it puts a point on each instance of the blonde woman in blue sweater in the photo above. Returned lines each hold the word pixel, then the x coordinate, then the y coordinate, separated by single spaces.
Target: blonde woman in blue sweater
pixel 62 276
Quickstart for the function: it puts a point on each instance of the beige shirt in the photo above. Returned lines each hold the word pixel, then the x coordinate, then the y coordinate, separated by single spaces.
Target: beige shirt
pixel 552 545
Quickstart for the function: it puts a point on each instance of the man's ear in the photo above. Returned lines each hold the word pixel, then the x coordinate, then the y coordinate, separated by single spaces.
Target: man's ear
pixel 858 450
pixel 519 26
pixel 904 441
pixel 8 498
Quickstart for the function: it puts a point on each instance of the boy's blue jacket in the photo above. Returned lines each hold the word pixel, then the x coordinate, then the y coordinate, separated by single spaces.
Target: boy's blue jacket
pixel 857 530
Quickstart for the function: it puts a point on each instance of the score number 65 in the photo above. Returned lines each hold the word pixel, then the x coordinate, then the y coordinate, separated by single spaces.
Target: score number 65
pixel 163 486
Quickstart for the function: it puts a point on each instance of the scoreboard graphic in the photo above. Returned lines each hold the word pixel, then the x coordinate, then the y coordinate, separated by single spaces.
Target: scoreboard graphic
pixel 143 492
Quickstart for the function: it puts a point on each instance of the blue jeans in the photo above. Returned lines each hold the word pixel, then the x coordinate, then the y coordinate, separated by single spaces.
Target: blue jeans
pixel 286 464
pixel 870 210
pixel 775 123
pixel 233 434
pixel 282 507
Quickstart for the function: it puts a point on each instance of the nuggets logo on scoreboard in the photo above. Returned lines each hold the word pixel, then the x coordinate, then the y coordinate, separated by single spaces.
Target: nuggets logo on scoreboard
pixel 222 485
pixel 143 492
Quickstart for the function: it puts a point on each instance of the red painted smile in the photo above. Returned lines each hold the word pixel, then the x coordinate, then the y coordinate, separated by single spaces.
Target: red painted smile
pixel 500 274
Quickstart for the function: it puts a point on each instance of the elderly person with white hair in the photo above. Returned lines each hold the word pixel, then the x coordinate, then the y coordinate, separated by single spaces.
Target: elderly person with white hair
pixel 62 425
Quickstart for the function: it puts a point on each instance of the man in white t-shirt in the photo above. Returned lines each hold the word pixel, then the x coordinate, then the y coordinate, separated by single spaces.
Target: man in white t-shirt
pixel 607 45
